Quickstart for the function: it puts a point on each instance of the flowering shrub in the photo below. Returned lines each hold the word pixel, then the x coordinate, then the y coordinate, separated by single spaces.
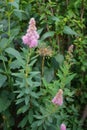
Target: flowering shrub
pixel 43 70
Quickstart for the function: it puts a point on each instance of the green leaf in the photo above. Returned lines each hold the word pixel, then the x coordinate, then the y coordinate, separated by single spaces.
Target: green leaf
pixel 34 101
pixel 35 73
pixel 27 98
pixel 16 54
pixel 1 28
pixel 19 100
pixel 3 43
pixel 69 78
pixel 40 31
pixel 1 70
pixel 14 64
pixel 33 94
pixel 50 119
pixel 40 122
pixel 47 34
pixel 23 109
pixel 18 13
pixel 5 100
pixel 23 122
pixel 3 78
pixel 68 92
pixel 32 62
pixel 37 123
pixel 30 116
pixel 59 58
pixel 48 74
pixel 38 116
pixel 13 52
pixel 15 4
pixel 69 31
pixel 3 58
pixel 54 18
pixel 15 31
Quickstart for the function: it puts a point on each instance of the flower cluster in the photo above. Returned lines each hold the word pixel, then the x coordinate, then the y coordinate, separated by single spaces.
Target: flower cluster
pixel 45 51
pixel 63 127
pixel 58 99
pixel 31 37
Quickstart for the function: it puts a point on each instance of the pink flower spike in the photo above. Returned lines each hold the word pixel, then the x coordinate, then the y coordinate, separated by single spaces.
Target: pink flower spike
pixel 63 127
pixel 58 99
pixel 31 37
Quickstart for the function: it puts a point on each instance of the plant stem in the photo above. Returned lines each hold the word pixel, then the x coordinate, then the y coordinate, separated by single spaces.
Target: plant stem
pixel 67 2
pixel 82 10
pixel 58 42
pixel 27 61
pixel 4 64
pixel 7 74
pixel 42 68
pixel 9 24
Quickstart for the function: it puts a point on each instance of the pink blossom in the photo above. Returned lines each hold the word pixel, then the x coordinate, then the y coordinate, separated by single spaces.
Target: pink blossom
pixel 58 99
pixel 33 43
pixel 25 39
pixel 32 21
pixel 31 37
pixel 63 127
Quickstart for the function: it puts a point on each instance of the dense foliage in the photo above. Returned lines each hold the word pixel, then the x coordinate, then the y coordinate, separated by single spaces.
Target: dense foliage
pixel 31 77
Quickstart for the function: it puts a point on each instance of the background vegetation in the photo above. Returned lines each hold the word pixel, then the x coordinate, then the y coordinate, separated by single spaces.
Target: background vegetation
pixel 29 79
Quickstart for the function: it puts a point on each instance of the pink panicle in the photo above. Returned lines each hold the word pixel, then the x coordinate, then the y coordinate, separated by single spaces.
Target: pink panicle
pixel 63 127
pixel 58 99
pixel 31 37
